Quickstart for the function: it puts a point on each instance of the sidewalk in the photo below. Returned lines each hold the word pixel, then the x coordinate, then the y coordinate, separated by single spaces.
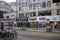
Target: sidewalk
pixel 41 30
pixel 36 30
pixel 40 33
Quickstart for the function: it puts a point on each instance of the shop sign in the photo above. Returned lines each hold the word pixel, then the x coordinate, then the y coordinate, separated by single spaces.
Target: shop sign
pixel 54 18
pixel 42 18
pixel 33 19
pixel 7 19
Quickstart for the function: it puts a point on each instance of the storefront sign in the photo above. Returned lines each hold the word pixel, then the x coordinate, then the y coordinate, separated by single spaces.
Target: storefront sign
pixel 7 19
pixel 32 19
pixel 54 18
pixel 42 18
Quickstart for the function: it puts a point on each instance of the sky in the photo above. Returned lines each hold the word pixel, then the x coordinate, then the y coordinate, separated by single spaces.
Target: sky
pixel 10 0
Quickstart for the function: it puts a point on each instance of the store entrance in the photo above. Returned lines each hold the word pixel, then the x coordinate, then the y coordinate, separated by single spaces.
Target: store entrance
pixel 55 24
pixel 34 24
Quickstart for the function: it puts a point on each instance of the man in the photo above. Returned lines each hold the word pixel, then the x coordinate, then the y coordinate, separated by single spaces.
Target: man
pixel 48 27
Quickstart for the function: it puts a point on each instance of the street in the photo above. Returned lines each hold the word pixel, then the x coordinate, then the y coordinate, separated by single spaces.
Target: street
pixel 28 35
pixel 25 37
pixel 33 36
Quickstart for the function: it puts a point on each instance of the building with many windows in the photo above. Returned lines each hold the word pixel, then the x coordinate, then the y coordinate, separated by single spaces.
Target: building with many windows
pixel 4 8
pixel 38 11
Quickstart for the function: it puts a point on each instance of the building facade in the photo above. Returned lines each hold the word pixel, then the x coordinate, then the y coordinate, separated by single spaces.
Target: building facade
pixel 13 6
pixel 4 8
pixel 37 10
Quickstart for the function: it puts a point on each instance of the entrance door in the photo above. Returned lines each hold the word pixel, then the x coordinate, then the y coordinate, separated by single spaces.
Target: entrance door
pixel 1 25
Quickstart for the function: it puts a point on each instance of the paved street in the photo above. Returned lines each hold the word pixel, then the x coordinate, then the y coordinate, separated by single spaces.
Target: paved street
pixel 26 35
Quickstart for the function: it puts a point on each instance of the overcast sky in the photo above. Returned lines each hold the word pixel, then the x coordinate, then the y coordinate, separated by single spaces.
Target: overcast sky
pixel 10 0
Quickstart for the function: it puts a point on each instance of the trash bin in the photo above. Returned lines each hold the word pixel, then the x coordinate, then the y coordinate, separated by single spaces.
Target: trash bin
pixel 48 29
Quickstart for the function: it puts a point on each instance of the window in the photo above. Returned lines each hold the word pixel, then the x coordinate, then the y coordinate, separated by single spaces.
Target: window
pixel 31 14
pixel 48 3
pixel 34 6
pixel 41 13
pixel 30 7
pixel 43 4
pixel 27 14
pixel 7 16
pixel 57 4
pixel 55 1
pixel 12 16
pixel 48 13
pixel 21 15
pixel 38 5
pixel 23 0
pixel 20 0
pixel 29 0
pixel 38 0
pixel 44 13
pixel 26 8
pixel 34 0
pixel 19 8
pixel 58 11
pixel 34 13
pixel 23 8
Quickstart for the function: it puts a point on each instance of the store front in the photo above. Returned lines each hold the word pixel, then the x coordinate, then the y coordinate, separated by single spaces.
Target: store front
pixel 27 24
pixel 55 22
pixel 19 24
pixel 41 22
pixel 33 22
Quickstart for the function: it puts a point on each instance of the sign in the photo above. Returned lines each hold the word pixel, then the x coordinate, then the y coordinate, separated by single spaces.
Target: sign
pixel 42 18
pixel 54 18
pixel 32 19
pixel 7 19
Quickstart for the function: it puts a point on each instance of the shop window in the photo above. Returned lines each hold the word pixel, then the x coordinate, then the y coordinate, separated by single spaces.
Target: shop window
pixel 7 16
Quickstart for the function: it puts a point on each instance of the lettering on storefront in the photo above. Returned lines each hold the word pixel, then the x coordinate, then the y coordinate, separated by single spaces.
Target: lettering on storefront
pixel 33 19
pixel 42 18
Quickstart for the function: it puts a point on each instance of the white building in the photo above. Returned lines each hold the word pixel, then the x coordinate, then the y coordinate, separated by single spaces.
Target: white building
pixel 5 6
pixel 38 8
pixel 10 15
pixel 38 11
